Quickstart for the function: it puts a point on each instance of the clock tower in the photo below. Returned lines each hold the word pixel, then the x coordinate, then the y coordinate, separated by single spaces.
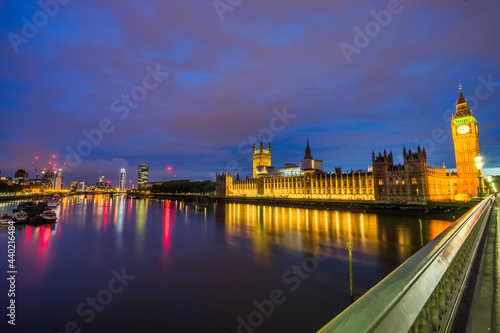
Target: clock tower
pixel 466 140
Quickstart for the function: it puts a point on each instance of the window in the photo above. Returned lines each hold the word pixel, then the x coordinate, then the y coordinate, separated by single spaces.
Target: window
pixel 380 182
pixel 414 181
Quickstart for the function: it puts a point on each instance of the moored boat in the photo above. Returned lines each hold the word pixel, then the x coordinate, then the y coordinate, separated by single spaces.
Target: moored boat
pixel 52 202
pixel 49 216
pixel 5 219
pixel 36 220
pixel 21 217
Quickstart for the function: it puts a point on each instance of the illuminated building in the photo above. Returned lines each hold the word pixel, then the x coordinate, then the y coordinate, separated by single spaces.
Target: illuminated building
pixel 21 177
pixel 261 158
pixel 58 180
pixel 48 179
pixel 308 181
pixel 466 140
pixel 143 175
pixel 123 179
pixel 79 186
pixel 412 181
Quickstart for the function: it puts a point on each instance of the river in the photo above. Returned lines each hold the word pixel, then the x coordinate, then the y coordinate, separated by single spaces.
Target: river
pixel 123 265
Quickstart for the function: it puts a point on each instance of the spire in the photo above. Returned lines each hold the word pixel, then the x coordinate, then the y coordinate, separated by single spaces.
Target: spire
pixel 261 144
pixel 308 155
pixel 462 106
pixel 461 98
pixel 269 146
pixel 254 147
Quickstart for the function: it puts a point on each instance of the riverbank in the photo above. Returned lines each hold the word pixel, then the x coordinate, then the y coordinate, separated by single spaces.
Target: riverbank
pixel 7 198
pixel 449 209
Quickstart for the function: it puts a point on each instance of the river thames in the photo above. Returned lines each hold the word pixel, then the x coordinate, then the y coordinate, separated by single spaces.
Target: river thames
pixel 122 265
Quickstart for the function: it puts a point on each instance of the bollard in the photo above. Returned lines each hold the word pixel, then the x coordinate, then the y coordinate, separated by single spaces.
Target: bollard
pixel 350 270
pixel 421 236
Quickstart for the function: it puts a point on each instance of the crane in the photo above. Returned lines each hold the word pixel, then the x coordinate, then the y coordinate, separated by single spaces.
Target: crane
pixel 35 169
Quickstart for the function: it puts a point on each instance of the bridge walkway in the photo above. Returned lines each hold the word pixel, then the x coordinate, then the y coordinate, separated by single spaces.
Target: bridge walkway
pixel 480 307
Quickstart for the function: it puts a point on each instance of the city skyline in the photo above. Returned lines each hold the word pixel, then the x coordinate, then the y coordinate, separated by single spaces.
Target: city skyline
pixel 198 93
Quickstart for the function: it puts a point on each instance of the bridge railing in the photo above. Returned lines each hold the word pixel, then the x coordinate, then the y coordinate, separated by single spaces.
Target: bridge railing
pixel 424 293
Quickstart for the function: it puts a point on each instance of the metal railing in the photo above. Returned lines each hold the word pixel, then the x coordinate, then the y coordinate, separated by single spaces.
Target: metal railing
pixel 424 293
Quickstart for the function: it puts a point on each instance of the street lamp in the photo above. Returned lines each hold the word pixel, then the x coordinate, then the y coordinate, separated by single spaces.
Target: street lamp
pixel 479 165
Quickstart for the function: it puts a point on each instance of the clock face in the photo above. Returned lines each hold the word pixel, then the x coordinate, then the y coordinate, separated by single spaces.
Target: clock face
pixel 462 129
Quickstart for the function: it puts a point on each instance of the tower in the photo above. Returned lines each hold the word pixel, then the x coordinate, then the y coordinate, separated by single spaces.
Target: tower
pixel 466 140
pixel 123 179
pixel 261 156
pixel 58 181
pixel 223 184
pixel 143 175
pixel 308 163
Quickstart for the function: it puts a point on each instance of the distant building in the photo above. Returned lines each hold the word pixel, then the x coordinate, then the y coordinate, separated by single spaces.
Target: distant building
pixel 21 177
pixel 48 179
pixel 101 187
pixel 82 186
pixel 123 179
pixel 34 185
pixel 58 180
pixel 78 186
pixel 143 175
pixel 8 180
pixel 151 184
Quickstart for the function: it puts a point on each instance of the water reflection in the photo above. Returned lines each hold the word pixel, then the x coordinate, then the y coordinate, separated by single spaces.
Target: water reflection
pixel 37 244
pixel 206 262
pixel 302 230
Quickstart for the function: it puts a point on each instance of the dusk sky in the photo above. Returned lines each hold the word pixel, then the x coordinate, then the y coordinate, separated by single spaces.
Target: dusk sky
pixel 189 84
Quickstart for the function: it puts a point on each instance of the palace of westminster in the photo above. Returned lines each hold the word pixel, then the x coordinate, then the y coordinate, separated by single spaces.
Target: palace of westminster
pixel 413 181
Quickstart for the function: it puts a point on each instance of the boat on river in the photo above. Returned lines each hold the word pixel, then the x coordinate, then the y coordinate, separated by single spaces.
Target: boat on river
pixel 5 219
pixel 21 217
pixel 49 216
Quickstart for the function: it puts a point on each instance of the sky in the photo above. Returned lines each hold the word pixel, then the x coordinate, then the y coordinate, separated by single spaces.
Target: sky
pixel 105 85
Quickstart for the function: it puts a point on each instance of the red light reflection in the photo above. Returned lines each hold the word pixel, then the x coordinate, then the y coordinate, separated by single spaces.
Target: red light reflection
pixel 166 225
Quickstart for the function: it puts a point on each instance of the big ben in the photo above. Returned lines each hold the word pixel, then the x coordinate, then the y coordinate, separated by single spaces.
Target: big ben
pixel 466 140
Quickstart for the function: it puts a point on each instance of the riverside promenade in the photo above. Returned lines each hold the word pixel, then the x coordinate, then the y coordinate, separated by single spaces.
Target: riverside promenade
pixel 480 308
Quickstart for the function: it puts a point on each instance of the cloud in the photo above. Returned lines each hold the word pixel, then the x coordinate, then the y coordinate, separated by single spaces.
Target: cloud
pixel 226 78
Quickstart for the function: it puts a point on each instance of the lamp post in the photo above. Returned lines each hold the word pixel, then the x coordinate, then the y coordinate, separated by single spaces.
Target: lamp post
pixel 479 165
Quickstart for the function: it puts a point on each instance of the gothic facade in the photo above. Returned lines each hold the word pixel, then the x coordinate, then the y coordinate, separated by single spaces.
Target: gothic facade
pixel 412 181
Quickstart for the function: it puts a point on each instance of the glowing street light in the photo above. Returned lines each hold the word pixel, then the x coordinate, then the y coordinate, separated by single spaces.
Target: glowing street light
pixel 479 165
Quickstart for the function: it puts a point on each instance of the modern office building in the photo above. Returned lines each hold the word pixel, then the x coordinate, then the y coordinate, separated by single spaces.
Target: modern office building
pixel 58 180
pixel 48 179
pixel 123 179
pixel 143 175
